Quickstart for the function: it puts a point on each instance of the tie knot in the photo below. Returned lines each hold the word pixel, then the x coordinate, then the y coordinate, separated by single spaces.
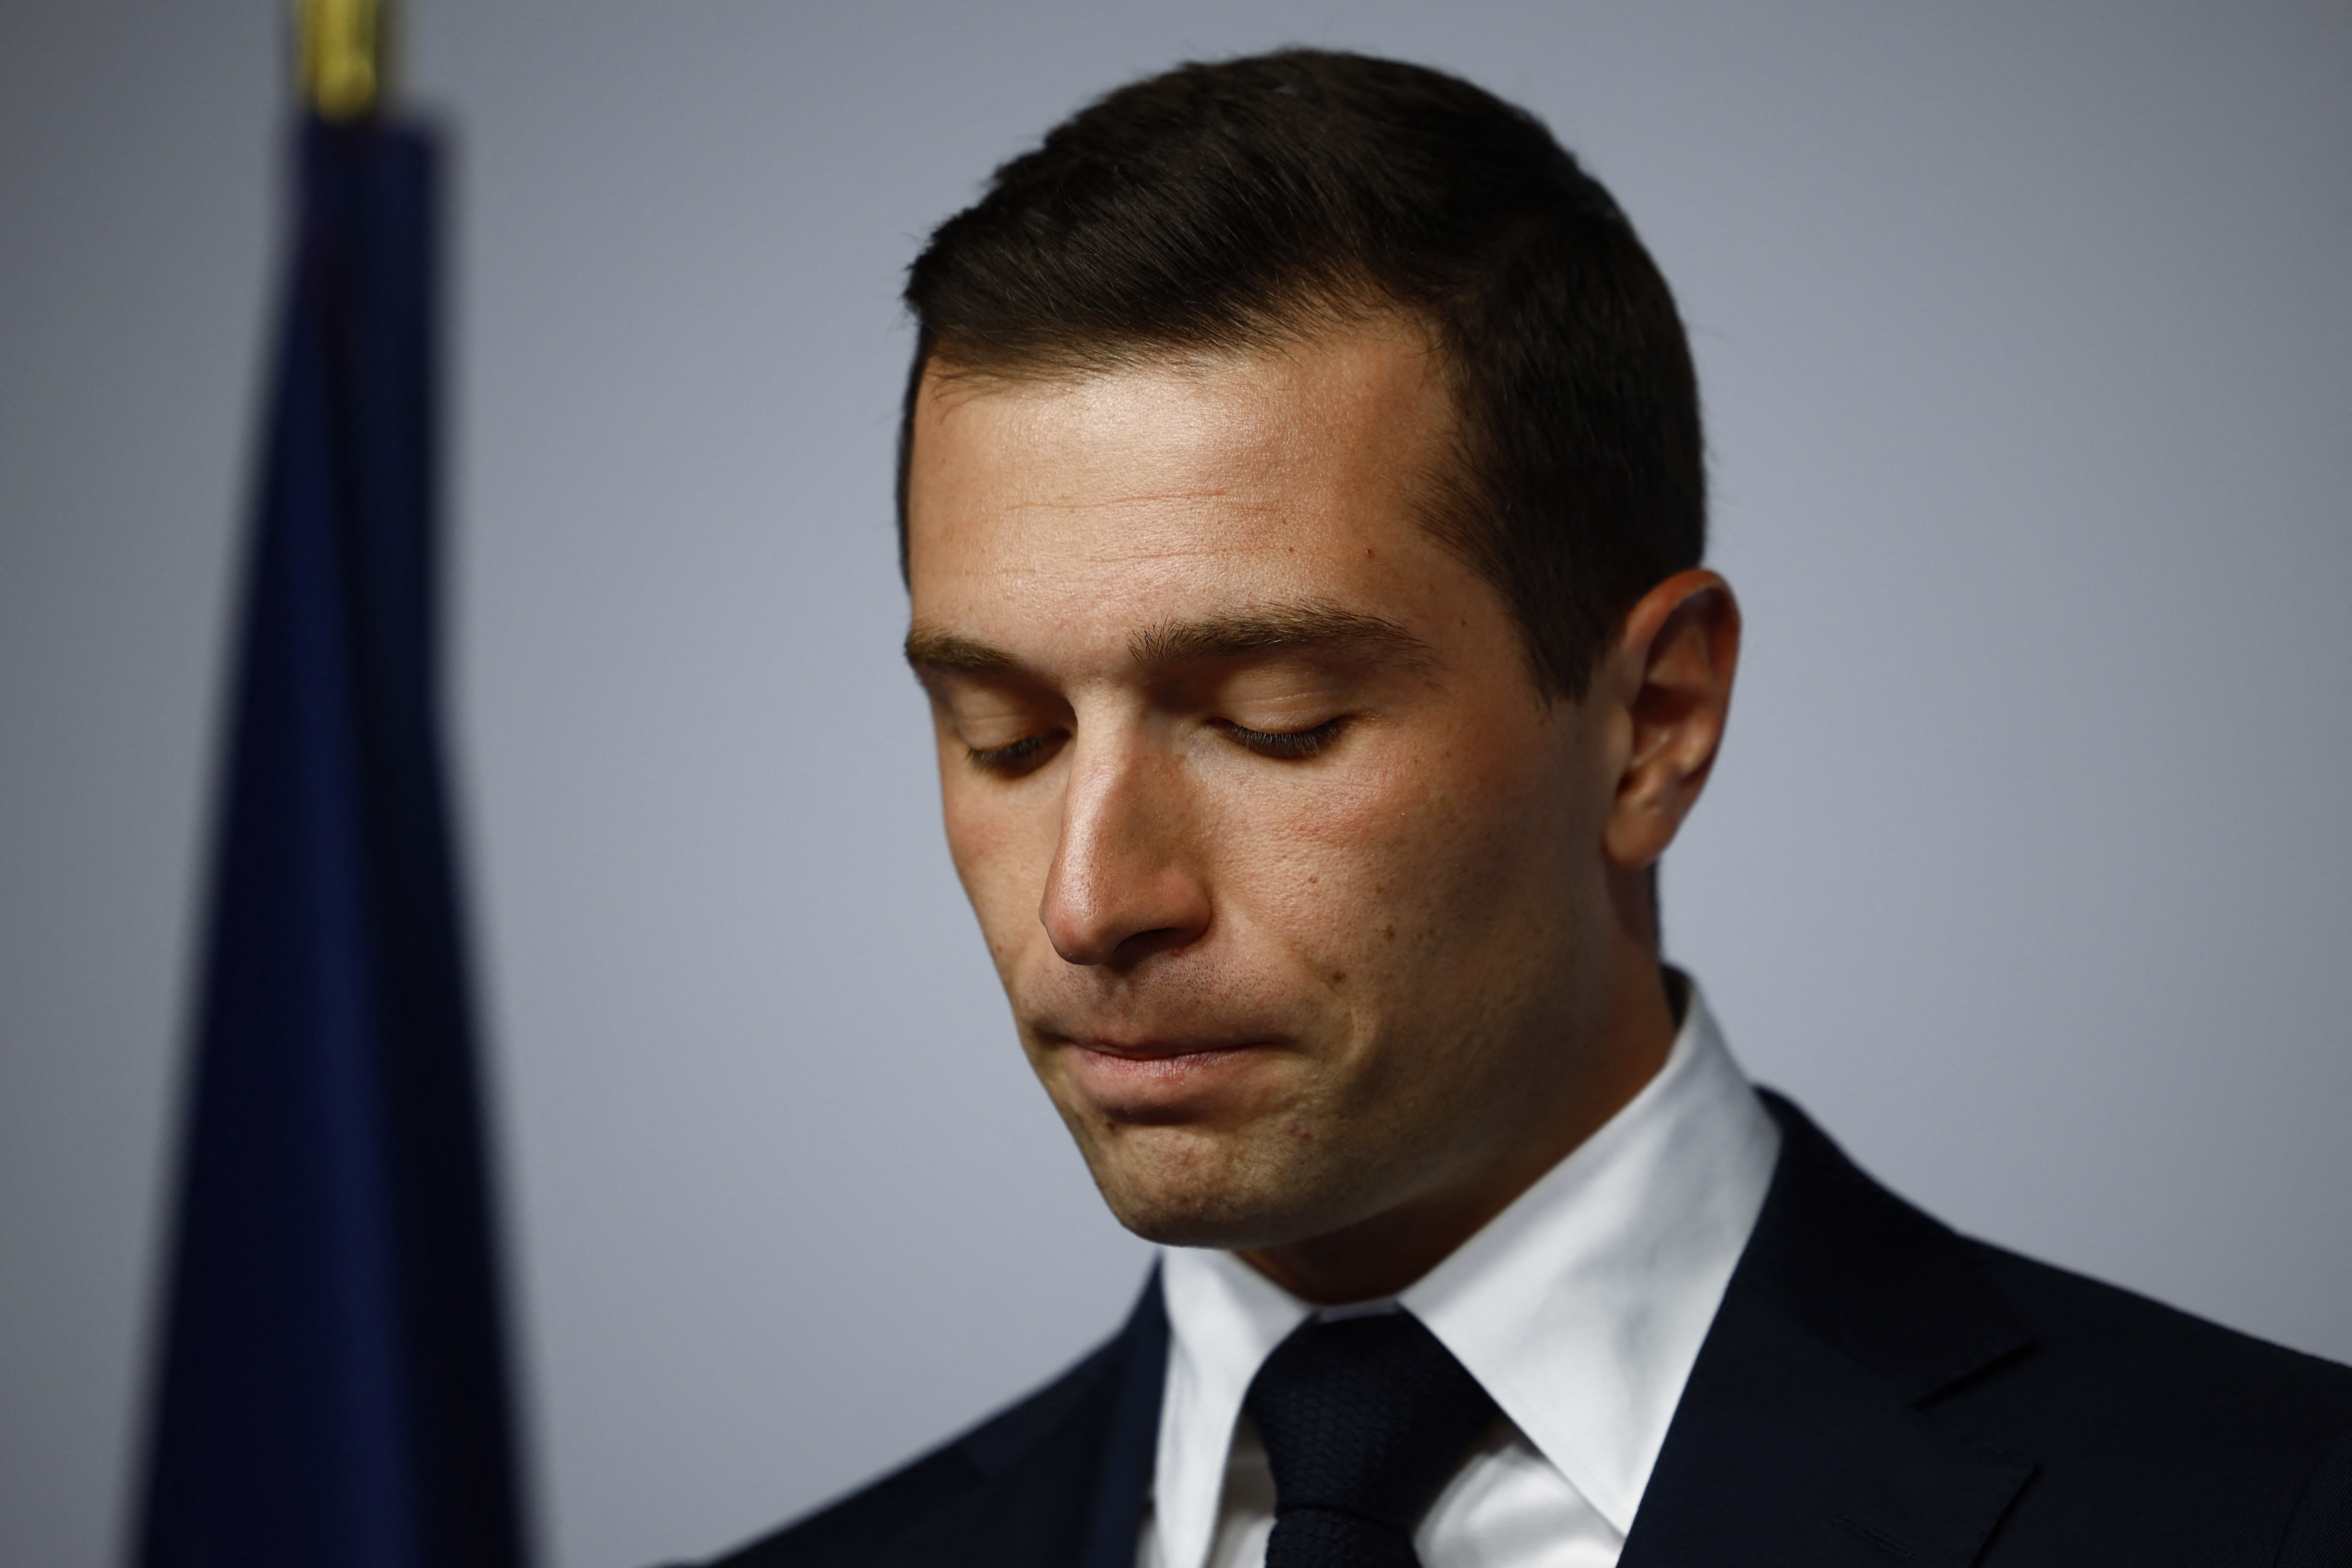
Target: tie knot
pixel 1364 1417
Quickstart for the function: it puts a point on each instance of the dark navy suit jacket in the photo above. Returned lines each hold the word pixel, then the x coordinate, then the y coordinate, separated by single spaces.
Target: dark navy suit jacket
pixel 1875 1389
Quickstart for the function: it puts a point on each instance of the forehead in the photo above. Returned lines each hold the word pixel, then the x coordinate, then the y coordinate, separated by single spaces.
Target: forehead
pixel 1179 488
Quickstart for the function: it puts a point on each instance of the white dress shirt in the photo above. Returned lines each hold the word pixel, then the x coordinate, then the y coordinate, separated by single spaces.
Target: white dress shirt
pixel 1580 1308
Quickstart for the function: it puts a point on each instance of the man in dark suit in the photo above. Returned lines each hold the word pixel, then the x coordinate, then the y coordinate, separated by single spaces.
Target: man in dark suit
pixel 1302 511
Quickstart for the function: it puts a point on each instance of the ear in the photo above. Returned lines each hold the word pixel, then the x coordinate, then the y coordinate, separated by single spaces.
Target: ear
pixel 1671 669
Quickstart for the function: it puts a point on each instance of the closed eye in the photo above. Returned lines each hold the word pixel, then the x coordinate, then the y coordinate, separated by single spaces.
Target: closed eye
pixel 1013 761
pixel 1288 744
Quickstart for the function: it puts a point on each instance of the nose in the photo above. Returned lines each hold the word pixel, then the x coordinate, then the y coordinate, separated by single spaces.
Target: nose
pixel 1125 882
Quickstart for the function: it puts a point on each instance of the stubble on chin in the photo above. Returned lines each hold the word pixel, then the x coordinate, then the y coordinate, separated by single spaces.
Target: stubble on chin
pixel 1185 1187
pixel 1272 1183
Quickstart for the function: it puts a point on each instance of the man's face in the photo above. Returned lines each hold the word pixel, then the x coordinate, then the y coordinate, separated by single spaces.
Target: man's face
pixel 1292 878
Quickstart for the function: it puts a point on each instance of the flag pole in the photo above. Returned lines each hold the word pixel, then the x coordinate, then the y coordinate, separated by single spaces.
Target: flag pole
pixel 341 57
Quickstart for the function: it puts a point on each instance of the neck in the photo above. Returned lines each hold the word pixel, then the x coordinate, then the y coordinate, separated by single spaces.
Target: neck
pixel 1380 1257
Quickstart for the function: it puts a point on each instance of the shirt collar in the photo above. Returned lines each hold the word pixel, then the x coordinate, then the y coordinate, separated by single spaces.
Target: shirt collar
pixel 1580 1307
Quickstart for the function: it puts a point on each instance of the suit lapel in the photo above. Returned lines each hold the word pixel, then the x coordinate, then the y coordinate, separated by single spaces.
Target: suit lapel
pixel 1131 1444
pixel 1799 1438
pixel 1059 1481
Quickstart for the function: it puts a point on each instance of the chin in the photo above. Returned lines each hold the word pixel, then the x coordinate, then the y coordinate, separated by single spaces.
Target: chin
pixel 1190 1190
pixel 1186 1220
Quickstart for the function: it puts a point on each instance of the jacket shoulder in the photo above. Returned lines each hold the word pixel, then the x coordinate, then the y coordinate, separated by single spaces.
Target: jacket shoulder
pixel 2110 1367
pixel 2137 1433
pixel 1954 1320
pixel 870 1524
pixel 2157 1432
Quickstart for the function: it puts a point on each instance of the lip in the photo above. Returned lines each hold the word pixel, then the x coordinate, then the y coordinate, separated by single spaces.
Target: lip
pixel 1160 1051
pixel 1159 1080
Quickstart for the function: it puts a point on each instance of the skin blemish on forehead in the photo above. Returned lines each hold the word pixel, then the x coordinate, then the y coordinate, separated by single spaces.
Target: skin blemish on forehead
pixel 1141 498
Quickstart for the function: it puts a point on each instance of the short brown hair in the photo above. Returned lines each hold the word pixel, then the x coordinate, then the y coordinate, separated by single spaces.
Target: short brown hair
pixel 1228 206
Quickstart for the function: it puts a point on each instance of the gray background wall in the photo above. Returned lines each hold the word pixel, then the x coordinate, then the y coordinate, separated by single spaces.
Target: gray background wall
pixel 2026 330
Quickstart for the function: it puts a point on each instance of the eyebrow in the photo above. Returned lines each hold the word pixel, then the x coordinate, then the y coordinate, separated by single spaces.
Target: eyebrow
pixel 945 654
pixel 1303 624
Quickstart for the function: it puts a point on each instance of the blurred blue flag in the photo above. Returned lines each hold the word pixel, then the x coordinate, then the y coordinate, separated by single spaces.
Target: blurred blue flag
pixel 333 1386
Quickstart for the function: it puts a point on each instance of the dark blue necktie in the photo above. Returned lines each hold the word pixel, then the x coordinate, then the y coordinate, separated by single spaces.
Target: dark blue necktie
pixel 1363 1420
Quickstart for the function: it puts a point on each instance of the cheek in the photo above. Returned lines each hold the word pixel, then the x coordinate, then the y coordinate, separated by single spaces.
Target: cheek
pixel 1426 872
pixel 999 851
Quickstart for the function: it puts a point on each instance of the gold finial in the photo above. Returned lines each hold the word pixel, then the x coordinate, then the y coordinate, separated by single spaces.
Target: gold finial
pixel 343 56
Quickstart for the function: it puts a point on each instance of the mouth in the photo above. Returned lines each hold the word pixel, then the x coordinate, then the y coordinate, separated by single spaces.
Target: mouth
pixel 1159 1080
